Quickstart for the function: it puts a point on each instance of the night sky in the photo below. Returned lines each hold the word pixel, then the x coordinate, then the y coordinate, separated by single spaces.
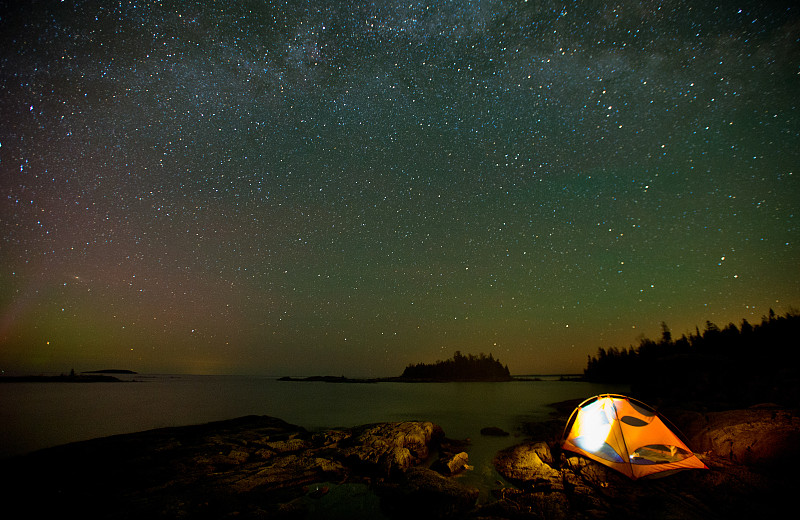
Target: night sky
pixel 344 187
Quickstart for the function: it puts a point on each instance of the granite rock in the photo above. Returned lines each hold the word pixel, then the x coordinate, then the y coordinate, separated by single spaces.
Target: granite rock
pixel 253 466
pixel 262 467
pixel 760 436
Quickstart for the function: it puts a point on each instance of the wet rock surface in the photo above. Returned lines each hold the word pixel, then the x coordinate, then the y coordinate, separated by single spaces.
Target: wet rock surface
pixel 263 467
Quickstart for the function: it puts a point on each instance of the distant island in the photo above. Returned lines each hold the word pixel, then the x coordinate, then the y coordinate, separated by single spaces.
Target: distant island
pixel 459 368
pixel 72 377
pixel 110 371
pixel 469 368
pixel 334 379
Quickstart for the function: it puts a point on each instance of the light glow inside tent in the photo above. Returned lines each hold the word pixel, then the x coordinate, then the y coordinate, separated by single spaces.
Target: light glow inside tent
pixel 595 426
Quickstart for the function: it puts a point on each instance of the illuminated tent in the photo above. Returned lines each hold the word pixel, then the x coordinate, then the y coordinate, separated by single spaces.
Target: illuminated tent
pixel 628 436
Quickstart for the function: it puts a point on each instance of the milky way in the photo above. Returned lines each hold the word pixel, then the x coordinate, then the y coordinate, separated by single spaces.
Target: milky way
pixel 313 187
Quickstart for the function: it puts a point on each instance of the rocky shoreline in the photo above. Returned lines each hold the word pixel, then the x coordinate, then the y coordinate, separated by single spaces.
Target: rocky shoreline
pixel 262 467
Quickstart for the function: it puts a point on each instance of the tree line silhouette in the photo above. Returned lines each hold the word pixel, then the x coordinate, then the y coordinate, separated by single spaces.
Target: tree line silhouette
pixel 742 365
pixel 459 368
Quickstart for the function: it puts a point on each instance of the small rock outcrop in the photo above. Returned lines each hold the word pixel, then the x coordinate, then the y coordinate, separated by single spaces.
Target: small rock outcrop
pixel 494 431
pixel 528 462
pixel 458 462
pixel 390 447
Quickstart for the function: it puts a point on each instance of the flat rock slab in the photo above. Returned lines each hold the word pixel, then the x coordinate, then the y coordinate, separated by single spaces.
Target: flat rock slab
pixel 249 467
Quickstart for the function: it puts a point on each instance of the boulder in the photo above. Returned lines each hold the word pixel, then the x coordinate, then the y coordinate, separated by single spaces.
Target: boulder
pixel 389 447
pixel 526 462
pixel 458 462
pixel 453 457
pixel 494 431
pixel 450 465
pixel 754 436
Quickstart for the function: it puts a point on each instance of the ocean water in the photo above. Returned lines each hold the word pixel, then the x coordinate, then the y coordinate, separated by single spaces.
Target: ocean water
pixel 39 415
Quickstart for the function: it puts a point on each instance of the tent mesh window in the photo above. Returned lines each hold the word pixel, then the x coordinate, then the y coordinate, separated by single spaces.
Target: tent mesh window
pixel 658 454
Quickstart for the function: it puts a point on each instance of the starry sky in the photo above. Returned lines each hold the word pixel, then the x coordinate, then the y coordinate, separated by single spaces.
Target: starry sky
pixel 327 187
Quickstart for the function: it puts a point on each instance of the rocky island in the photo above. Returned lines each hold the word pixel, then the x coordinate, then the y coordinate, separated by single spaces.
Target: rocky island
pixel 460 368
pixel 112 371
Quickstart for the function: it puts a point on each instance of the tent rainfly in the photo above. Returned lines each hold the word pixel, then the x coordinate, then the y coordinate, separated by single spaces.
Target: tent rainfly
pixel 628 436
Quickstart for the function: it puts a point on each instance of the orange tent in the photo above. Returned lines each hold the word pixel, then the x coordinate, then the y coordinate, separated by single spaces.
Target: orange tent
pixel 628 436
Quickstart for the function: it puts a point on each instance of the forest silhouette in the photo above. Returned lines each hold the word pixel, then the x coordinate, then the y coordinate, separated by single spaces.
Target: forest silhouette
pixel 735 365
pixel 459 368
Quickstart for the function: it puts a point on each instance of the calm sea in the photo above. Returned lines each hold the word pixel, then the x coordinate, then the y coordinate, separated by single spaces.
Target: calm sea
pixel 38 415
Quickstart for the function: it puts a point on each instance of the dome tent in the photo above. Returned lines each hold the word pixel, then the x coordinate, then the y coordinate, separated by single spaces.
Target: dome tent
pixel 628 436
